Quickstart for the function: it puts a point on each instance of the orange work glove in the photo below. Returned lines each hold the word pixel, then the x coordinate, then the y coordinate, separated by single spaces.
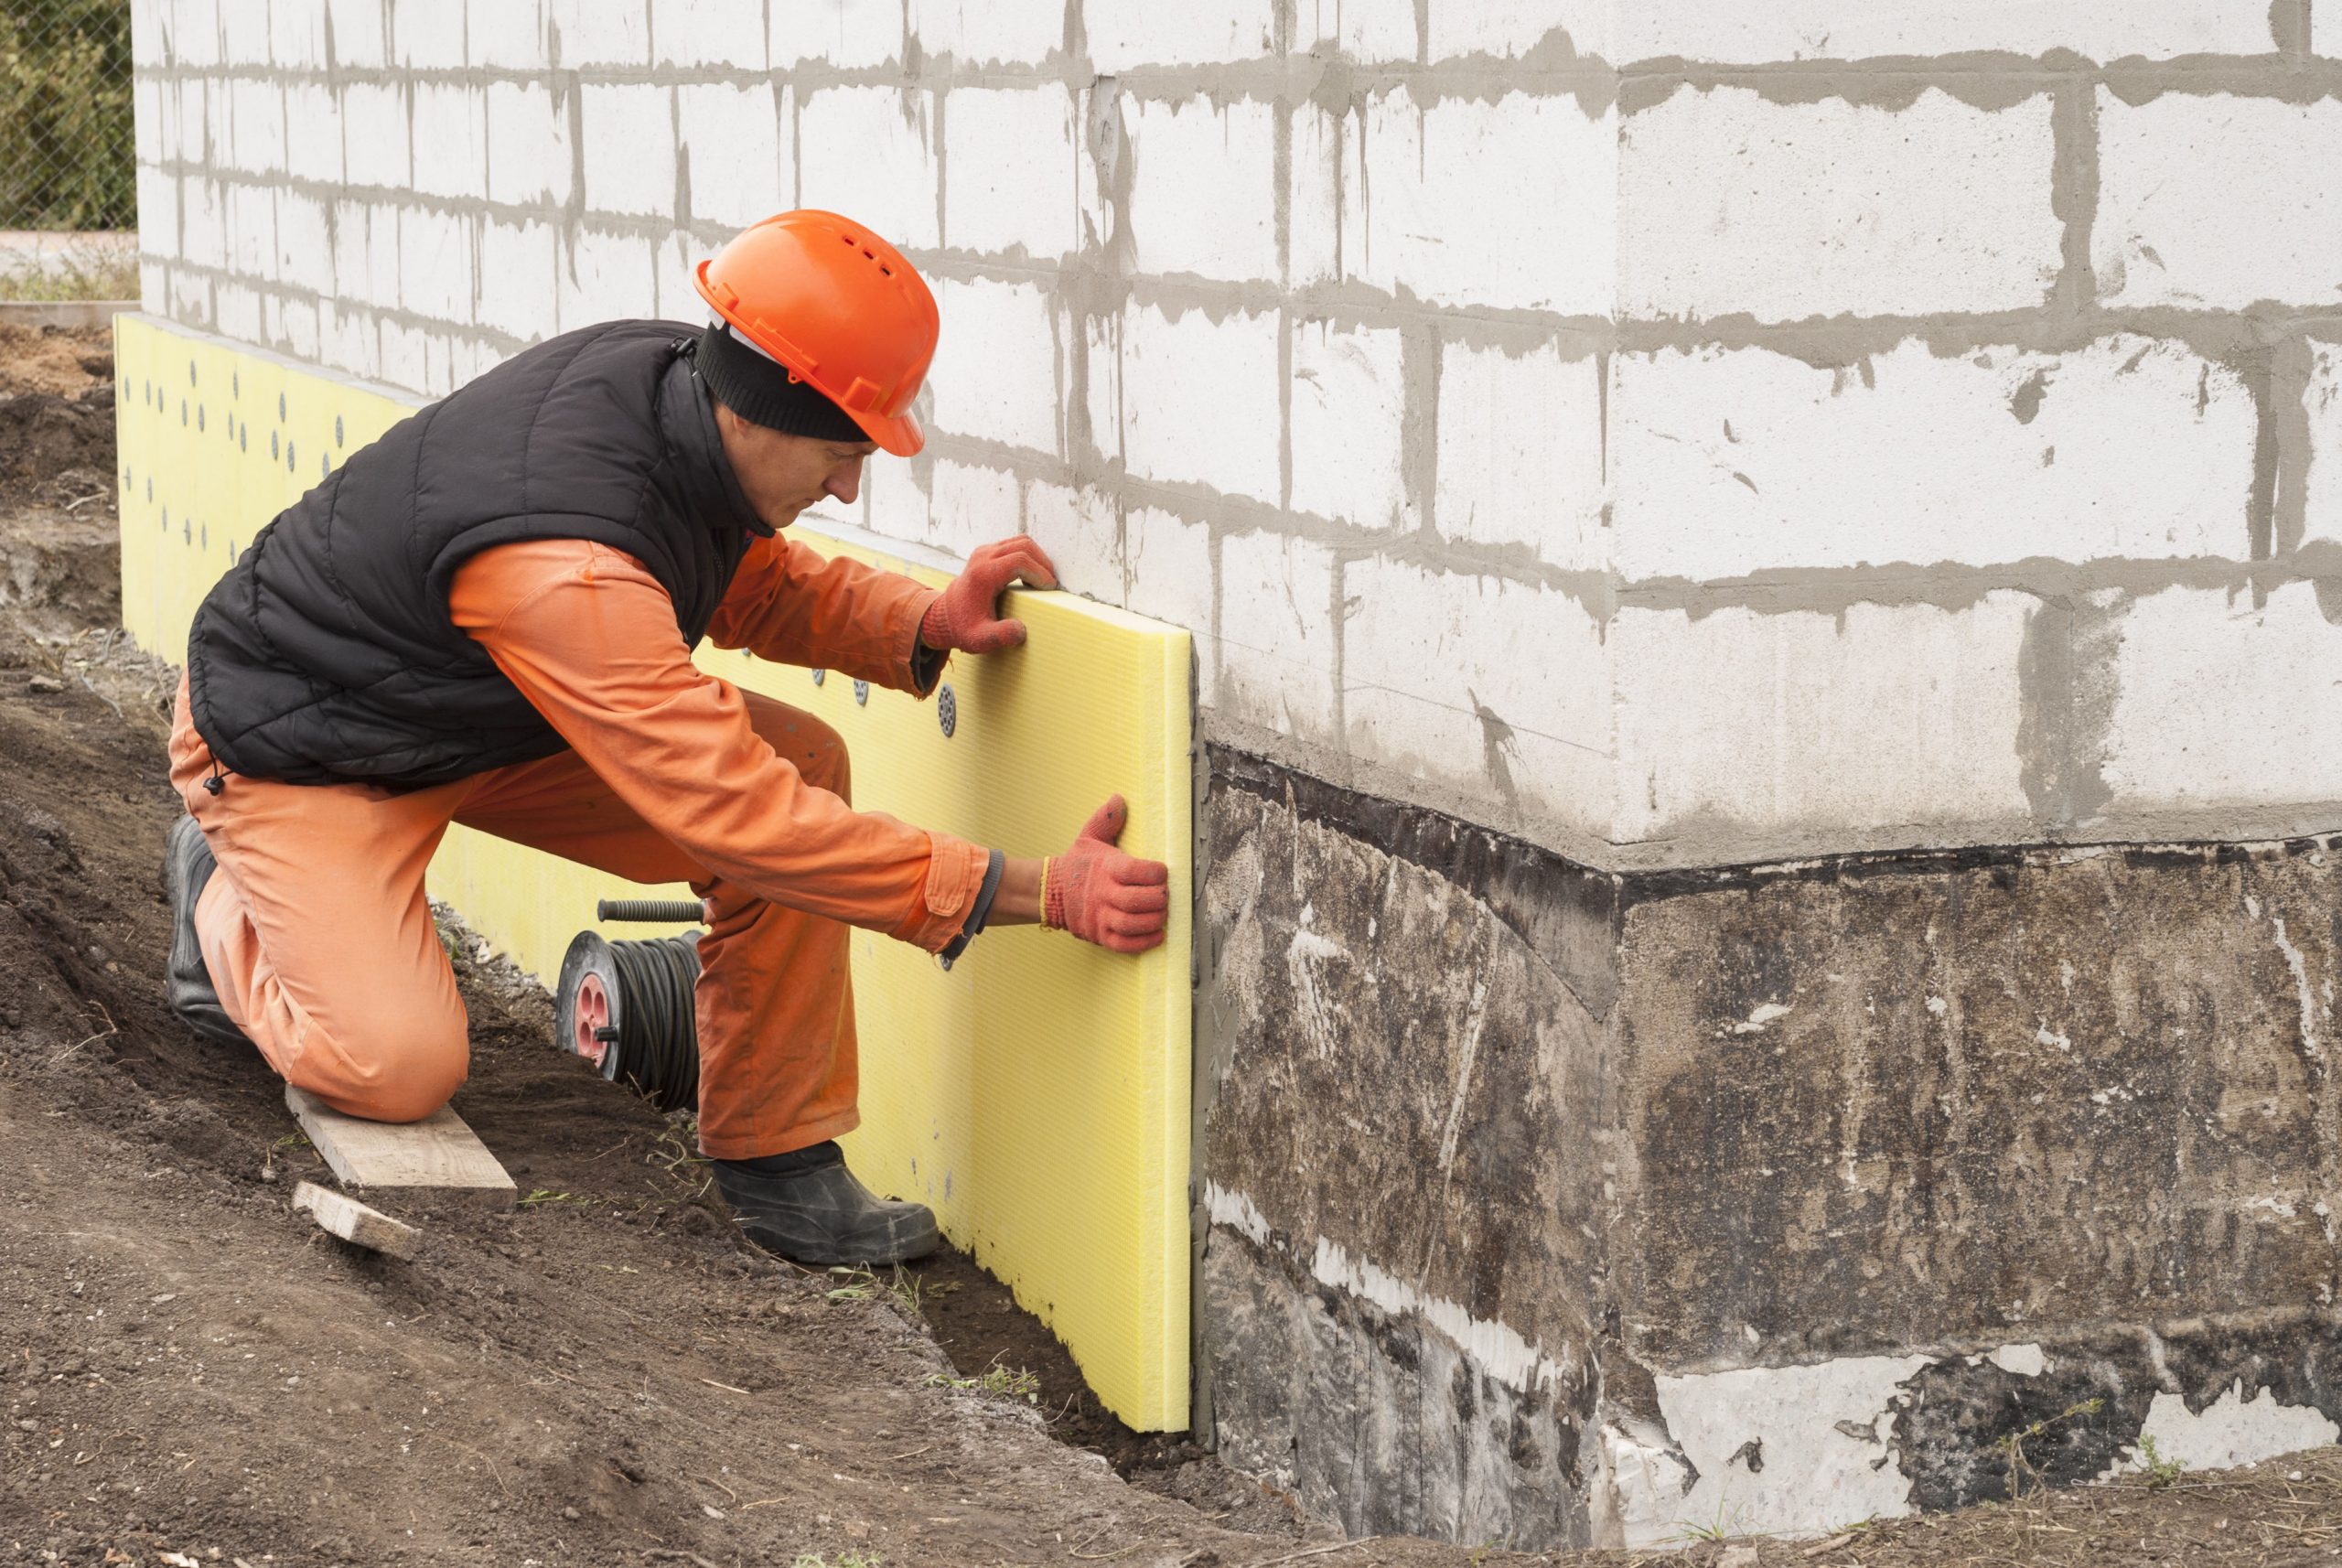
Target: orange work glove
pixel 1103 896
pixel 966 618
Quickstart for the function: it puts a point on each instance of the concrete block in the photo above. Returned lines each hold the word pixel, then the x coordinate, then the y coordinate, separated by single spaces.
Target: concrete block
pixel 1434 686
pixel 1520 459
pixel 451 139
pixel 604 277
pixel 629 133
pixel 2188 213
pixel 709 33
pixel 507 35
pixel 1740 722
pixel 1735 205
pixel 677 296
pixel 296 327
pixel 235 312
pixel 365 253
pixel 312 132
pixel 1757 31
pixel 256 126
pixel 1347 395
pixel 2326 32
pixel 347 340
pixel 984 32
pixel 190 297
pixel 2219 702
pixel 304 242
pixel 146 20
pixel 737 150
pixel 1081 531
pixel 970 505
pixel 528 145
pixel 590 33
pixel 848 34
pixel 192 34
pixel 869 152
pixel 158 212
pixel 203 221
pixel 1204 185
pixel 189 106
pixel 403 356
pixel 374 135
pixel 243 35
pixel 1314 198
pixel 1554 31
pixel 1168 574
pixel 1198 399
pixel 894 501
pixel 154 287
pixel 427 35
pixel 2322 503
pixel 1732 462
pixel 1511 203
pixel 296 38
pixel 1011 152
pixel 356 29
pixel 147 128
pixel 517 269
pixel 251 231
pixel 435 263
pixel 1276 661
pixel 1124 34
pixel 998 364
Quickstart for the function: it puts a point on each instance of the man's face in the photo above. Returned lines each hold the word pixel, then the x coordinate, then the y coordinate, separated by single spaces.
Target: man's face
pixel 783 474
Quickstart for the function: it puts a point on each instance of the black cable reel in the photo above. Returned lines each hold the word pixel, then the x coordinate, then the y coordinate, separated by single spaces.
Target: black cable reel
pixel 625 1006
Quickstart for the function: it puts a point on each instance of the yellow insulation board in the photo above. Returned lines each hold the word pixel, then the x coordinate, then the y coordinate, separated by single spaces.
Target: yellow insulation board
pixel 1037 1095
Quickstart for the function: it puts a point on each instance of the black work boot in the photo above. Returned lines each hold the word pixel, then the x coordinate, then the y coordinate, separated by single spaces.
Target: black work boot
pixel 807 1206
pixel 188 866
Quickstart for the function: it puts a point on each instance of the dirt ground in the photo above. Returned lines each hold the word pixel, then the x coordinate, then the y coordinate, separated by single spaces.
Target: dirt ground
pixel 603 1374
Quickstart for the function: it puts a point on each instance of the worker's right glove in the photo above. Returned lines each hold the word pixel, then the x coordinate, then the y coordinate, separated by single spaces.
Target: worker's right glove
pixel 1103 896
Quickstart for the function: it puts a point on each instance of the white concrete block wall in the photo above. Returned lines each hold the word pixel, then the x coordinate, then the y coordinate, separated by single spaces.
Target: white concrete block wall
pixel 1815 436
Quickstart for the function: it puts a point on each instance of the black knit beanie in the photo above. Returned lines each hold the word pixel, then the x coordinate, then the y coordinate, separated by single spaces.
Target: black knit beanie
pixel 763 391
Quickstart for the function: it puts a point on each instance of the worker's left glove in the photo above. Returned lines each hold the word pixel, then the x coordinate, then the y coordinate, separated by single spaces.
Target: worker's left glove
pixel 1101 895
pixel 966 617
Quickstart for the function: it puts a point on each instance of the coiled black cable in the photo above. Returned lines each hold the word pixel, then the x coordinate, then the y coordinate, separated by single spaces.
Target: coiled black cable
pixel 658 1043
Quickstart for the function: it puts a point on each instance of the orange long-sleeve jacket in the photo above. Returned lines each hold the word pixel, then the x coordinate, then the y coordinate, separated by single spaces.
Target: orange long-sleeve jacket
pixel 589 637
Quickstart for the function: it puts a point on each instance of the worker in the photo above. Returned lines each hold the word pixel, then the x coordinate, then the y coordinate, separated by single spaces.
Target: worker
pixel 487 618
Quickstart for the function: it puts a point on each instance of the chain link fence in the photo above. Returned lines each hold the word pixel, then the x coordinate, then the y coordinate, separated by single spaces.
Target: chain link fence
pixel 66 155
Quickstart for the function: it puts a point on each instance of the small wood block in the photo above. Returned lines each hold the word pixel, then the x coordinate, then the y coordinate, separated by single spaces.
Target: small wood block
pixel 342 1216
pixel 435 1157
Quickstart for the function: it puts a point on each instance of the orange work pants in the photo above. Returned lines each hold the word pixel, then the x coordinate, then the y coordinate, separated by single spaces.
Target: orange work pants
pixel 319 938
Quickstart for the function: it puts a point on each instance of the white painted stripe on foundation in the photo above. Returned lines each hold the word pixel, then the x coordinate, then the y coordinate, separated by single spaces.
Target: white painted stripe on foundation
pixel 1496 1348
pixel 2232 1430
pixel 1237 1212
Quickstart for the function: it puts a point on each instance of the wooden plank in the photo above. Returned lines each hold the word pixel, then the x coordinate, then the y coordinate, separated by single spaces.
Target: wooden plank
pixel 341 1214
pixel 438 1156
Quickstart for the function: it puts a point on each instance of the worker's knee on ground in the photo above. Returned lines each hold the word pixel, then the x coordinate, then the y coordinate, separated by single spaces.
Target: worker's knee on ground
pixel 401 1071
pixel 815 749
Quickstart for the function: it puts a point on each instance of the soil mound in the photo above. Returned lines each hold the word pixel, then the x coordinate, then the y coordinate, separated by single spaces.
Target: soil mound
pixel 48 436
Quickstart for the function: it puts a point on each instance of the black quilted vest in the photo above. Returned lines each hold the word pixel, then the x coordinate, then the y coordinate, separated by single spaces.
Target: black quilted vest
pixel 326 655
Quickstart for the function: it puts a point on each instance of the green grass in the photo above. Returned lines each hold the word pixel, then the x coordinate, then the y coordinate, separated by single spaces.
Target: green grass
pixel 1001 1382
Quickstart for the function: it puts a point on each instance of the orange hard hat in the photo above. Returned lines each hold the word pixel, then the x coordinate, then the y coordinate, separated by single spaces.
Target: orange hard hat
pixel 839 307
